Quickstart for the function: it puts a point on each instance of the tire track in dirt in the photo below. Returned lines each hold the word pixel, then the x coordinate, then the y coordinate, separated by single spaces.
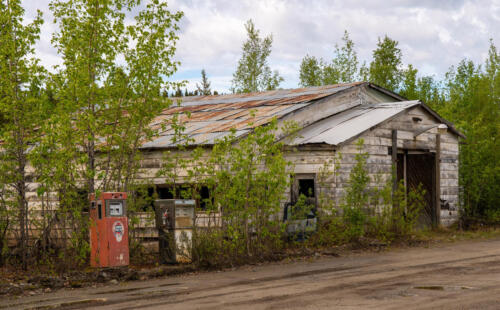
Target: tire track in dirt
pixel 346 272
pixel 358 286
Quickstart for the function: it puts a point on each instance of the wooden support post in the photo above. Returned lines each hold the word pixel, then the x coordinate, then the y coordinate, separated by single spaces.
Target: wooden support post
pixel 394 161
pixel 405 174
pixel 405 170
pixel 438 181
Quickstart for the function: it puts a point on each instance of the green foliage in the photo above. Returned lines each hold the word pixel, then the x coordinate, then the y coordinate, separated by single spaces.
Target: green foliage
pixel 473 104
pixel 345 60
pixel 21 109
pixel 409 81
pixel 79 128
pixel 368 211
pixel 248 178
pixel 357 196
pixel 109 105
pixel 250 189
pixel 468 97
pixel 343 68
pixel 253 73
pixel 176 161
pixel 397 213
pixel 386 63
pixel 384 70
pixel 300 221
pixel 302 208
pixel 424 88
pixel 310 72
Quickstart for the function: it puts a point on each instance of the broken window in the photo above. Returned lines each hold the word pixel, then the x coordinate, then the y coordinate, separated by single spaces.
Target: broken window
pixel 304 184
pixel 182 191
pixel 306 188
pixel 205 198
pixel 303 198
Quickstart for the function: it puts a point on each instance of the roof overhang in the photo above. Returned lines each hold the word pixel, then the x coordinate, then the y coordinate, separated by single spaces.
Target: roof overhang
pixel 343 127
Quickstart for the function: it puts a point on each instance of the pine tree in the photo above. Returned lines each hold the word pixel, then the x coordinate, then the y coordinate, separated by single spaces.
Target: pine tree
pixel 253 73
pixel 204 88
pixel 178 92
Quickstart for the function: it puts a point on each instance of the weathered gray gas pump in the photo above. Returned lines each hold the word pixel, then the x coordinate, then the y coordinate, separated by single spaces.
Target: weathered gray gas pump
pixel 174 221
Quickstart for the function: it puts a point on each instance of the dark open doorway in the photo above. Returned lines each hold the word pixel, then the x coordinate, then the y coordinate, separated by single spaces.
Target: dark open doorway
pixel 419 168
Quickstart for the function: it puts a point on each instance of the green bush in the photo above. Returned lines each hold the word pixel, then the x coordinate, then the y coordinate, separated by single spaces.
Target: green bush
pixel 369 212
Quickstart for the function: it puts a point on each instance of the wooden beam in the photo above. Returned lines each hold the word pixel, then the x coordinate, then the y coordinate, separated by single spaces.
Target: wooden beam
pixel 438 181
pixel 394 159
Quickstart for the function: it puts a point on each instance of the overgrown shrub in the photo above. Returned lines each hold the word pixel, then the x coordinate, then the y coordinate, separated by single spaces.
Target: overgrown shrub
pixel 397 217
pixel 248 177
pixel 357 197
pixel 368 212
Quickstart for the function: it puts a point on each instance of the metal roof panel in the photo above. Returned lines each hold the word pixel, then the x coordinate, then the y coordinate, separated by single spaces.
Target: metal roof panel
pixel 343 126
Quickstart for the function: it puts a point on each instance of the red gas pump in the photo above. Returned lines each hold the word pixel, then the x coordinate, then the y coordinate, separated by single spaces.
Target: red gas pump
pixel 109 230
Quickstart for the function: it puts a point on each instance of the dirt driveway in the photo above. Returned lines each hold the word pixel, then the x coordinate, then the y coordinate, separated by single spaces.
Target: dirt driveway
pixel 462 275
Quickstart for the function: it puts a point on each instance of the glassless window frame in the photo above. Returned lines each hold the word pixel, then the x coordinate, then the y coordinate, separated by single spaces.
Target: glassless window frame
pixel 295 184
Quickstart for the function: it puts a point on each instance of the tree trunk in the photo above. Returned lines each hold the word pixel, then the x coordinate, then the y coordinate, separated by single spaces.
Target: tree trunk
pixel 247 197
pixel 22 205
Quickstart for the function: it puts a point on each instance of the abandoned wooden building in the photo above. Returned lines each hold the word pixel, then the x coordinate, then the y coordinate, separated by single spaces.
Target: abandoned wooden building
pixel 397 133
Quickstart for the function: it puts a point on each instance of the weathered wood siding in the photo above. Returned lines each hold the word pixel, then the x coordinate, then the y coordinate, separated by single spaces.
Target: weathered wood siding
pixel 377 143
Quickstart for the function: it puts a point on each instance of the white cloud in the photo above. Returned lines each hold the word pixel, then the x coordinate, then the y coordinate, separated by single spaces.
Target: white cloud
pixel 433 35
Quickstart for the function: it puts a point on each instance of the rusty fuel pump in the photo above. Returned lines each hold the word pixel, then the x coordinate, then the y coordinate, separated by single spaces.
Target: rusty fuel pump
pixel 109 230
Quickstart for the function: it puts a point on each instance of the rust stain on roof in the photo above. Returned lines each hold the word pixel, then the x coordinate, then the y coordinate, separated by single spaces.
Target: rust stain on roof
pixel 215 116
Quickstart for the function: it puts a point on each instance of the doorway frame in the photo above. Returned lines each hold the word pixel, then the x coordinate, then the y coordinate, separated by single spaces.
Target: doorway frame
pixel 434 206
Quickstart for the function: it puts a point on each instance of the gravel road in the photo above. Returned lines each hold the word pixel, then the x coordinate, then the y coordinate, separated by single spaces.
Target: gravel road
pixel 461 275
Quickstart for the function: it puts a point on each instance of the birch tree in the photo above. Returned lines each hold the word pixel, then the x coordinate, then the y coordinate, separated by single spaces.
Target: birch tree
pixel 253 73
pixel 21 78
pixel 343 68
pixel 106 94
pixel 310 72
pixel 112 102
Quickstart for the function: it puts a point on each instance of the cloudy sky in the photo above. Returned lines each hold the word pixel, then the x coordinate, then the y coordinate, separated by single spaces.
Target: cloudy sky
pixel 433 34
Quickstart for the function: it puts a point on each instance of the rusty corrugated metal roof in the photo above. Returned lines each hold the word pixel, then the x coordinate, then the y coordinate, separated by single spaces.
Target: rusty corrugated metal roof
pixel 213 117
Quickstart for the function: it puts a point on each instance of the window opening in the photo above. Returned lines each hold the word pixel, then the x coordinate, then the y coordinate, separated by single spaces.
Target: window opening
pixel 303 199
pixel 183 191
pixel 306 188
pixel 205 197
